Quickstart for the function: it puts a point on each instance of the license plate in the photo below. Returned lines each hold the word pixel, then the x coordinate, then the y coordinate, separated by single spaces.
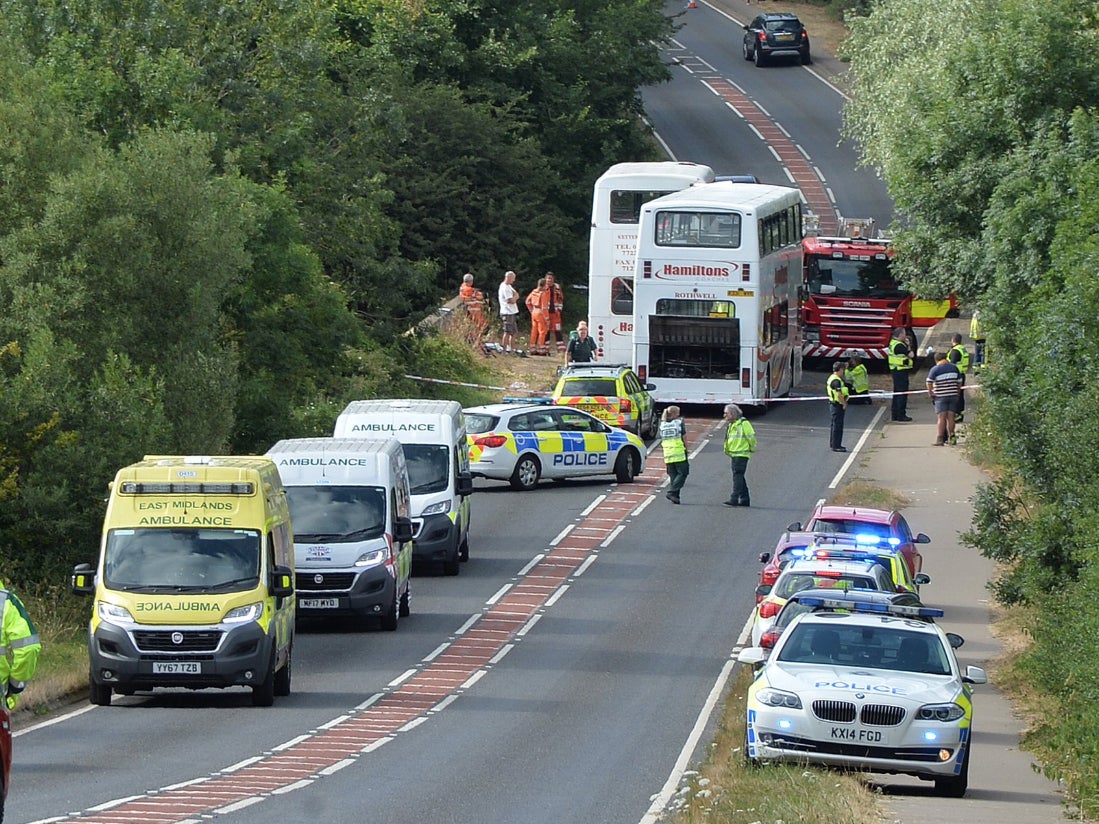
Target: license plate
pixel 782 38
pixel 177 668
pixel 856 735
pixel 319 603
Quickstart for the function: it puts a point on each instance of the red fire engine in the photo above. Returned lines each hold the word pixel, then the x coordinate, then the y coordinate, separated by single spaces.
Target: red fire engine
pixel 851 302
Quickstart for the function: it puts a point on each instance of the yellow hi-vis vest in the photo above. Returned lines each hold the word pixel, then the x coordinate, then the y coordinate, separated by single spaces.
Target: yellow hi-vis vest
pixel 898 362
pixel 671 441
pixel 860 378
pixel 836 395
pixel 963 358
pixel 19 644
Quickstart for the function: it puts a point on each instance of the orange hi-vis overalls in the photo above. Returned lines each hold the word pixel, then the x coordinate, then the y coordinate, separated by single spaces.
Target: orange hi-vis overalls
pixel 538 326
pixel 474 300
pixel 553 301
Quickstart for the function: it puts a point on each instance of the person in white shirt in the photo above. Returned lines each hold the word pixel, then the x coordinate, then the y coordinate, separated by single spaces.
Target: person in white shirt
pixel 509 311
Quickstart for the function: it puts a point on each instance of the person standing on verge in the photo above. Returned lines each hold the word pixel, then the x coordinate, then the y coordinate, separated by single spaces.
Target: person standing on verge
pixel 740 443
pixel 474 301
pixel 509 311
pixel 582 349
pixel 553 303
pixel 673 445
pixel 944 387
pixel 959 356
pixel 537 319
pixel 858 380
pixel 19 640
pixel 837 405
pixel 900 364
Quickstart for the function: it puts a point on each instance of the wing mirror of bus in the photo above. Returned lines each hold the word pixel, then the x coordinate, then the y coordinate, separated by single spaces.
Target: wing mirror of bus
pixel 465 484
pixel 282 582
pixel 402 530
pixel 83 579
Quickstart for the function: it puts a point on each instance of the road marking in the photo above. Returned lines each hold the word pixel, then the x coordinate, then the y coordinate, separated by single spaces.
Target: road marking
pixel 411 699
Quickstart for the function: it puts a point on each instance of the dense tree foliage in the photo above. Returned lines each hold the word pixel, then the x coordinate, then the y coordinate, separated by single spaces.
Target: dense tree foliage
pixel 218 220
pixel 985 126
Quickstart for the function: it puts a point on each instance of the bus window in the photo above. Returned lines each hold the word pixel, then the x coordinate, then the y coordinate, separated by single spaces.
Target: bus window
pixel 622 296
pixel 709 229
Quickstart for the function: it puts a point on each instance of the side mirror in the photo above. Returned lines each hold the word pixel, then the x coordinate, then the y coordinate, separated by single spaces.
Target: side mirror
pixel 83 579
pixel 975 675
pixel 764 557
pixel 402 530
pixel 282 582
pixel 465 484
pixel 922 538
pixel 650 387
pixel 955 640
pixel 763 589
pixel 794 527
pixel 921 579
pixel 752 655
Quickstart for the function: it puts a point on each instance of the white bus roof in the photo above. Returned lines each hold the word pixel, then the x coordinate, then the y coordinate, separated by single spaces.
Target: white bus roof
pixel 660 170
pixel 723 195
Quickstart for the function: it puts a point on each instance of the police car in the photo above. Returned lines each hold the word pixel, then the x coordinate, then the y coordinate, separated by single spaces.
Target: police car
pixel 611 392
pixel 816 573
pixel 524 442
pixel 874 690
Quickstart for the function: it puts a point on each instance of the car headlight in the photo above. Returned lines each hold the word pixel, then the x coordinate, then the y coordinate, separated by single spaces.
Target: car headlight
pixel 242 615
pixel 940 712
pixel 778 698
pixel 113 613
pixel 437 509
pixel 372 558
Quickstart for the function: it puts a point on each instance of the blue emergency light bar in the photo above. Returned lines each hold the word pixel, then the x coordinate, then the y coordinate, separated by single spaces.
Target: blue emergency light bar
pixel 899 610
pixel 876 540
pixel 528 400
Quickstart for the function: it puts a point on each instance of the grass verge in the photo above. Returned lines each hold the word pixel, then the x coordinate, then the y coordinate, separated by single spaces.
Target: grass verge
pixel 726 790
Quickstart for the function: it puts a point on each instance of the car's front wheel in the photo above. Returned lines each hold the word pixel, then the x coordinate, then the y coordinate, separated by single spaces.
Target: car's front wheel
pixel 955 786
pixel 627 466
pixel 526 474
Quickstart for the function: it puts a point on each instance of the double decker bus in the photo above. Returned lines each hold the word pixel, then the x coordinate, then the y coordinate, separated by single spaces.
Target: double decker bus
pixel 616 206
pixel 716 294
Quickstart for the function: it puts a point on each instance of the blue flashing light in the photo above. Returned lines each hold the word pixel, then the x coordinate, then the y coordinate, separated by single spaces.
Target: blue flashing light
pixel 528 400
pixel 930 736
pixel 785 724
pixel 802 552
pixel 899 610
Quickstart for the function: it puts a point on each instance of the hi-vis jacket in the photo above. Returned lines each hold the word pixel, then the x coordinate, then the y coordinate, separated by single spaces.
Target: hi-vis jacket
pixel 19 645
pixel 959 356
pixel 899 361
pixel 740 439
pixel 671 441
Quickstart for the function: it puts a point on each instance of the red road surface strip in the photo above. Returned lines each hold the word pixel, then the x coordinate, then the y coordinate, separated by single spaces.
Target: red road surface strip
pixel 410 700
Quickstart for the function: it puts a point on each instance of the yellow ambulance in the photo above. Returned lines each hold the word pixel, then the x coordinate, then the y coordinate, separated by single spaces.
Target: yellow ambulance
pixel 195 582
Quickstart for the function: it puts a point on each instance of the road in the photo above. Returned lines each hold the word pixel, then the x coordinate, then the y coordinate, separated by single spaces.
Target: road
pixel 558 677
pixel 592 683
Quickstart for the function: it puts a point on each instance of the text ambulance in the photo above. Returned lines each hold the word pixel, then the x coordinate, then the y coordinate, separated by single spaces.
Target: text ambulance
pixel 433 435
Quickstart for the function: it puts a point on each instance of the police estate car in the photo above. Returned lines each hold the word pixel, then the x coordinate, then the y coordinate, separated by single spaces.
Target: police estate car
pixel 870 691
pixel 611 392
pixel 523 443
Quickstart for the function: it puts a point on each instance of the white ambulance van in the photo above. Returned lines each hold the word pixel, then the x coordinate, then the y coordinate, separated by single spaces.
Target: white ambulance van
pixel 433 434
pixel 194 585
pixel 350 505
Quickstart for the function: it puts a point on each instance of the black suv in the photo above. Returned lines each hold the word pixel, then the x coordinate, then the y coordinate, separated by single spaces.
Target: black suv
pixel 769 35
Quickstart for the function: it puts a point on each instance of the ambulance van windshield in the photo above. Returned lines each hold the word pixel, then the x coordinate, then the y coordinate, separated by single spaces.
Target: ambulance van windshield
pixel 178 560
